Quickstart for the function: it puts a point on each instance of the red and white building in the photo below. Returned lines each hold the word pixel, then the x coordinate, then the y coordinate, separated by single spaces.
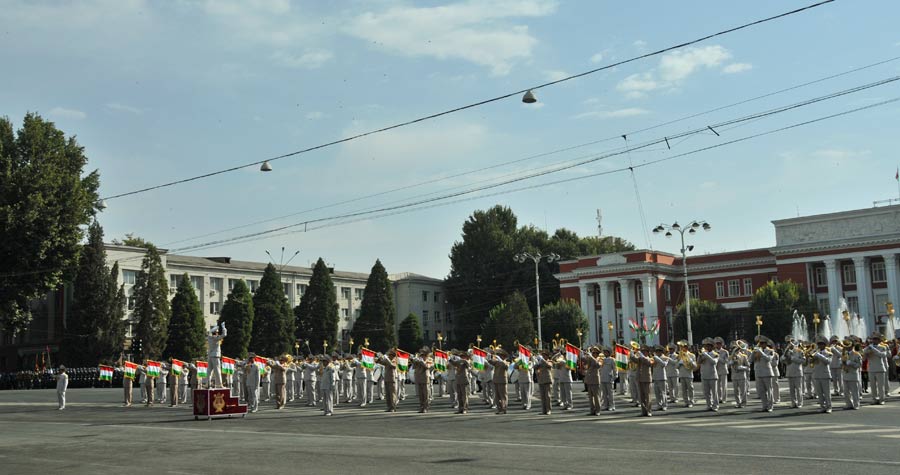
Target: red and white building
pixel 850 254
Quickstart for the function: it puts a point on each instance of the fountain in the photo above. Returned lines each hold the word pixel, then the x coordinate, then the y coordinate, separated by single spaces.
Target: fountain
pixel 798 327
pixel 862 326
pixel 826 327
pixel 841 329
pixel 805 325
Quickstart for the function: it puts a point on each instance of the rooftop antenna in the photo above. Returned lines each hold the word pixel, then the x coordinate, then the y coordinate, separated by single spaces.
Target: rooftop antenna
pixel 599 224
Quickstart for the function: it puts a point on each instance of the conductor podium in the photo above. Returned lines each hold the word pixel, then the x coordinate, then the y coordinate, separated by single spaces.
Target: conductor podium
pixel 215 403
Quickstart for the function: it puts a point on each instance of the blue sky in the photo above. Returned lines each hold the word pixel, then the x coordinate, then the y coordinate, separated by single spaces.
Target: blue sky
pixel 158 91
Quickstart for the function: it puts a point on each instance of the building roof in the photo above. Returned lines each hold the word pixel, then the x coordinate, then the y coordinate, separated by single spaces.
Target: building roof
pixel 227 263
pixel 415 277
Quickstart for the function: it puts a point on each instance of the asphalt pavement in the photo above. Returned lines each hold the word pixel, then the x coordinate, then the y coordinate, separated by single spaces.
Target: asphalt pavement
pixel 95 434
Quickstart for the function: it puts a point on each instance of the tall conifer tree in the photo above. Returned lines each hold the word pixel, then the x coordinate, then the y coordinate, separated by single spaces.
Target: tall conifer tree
pixel 151 305
pixel 376 316
pixel 270 335
pixel 187 338
pixel 237 314
pixel 317 314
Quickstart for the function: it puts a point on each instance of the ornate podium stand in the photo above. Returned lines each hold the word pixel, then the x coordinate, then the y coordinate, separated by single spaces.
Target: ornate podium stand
pixel 215 403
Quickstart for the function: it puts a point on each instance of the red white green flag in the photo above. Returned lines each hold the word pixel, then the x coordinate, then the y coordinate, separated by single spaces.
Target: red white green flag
pixel 524 358
pixel 440 360
pixel 202 369
pixel 177 367
pixel 130 369
pixel 106 373
pixel 227 365
pixel 153 369
pixel 260 363
pixel 622 354
pixel 402 360
pixel 479 357
pixel 367 358
pixel 572 356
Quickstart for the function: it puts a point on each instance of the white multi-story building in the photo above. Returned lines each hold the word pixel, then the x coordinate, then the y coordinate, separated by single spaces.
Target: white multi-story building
pixel 214 277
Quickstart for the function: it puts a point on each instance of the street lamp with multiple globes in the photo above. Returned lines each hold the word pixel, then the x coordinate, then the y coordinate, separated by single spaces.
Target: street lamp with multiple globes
pixel 521 258
pixel 690 228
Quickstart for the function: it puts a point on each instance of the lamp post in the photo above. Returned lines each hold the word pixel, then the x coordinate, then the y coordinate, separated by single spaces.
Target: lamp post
pixel 846 316
pixel 536 258
pixel 612 338
pixel 578 332
pixel 758 324
pixel 690 228
pixel 440 339
pixel 816 322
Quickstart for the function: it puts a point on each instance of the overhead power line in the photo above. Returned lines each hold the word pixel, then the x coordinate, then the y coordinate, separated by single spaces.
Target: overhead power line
pixel 474 104
pixel 369 213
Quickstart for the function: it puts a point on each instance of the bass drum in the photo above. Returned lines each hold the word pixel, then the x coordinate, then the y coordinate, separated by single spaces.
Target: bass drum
pixel 377 372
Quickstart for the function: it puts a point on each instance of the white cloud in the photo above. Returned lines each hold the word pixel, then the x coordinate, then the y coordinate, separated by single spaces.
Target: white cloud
pixel 307 60
pixel 838 154
pixel 555 75
pixel 735 68
pixel 63 113
pixel 117 107
pixel 314 115
pixel 639 44
pixel 680 64
pixel 675 67
pixel 598 57
pixel 473 31
pixel 613 114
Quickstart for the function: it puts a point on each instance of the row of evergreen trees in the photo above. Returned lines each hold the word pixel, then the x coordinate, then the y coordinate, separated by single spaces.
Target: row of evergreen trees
pixel 262 322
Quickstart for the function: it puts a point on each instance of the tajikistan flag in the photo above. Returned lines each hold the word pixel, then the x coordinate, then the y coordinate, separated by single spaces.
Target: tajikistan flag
pixel 260 363
pixel 106 373
pixel 440 360
pixel 227 365
pixel 367 358
pixel 153 368
pixel 524 357
pixel 402 360
pixel 177 366
pixel 130 369
pixel 622 354
pixel 479 357
pixel 202 369
pixel 571 356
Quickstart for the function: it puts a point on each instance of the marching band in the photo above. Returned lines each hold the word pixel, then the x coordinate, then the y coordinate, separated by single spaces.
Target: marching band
pixel 823 370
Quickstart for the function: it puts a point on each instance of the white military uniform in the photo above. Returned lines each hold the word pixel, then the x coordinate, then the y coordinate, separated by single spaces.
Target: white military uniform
pixel 214 356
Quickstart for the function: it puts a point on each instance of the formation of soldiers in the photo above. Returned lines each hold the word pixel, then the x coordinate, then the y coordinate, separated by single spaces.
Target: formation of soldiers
pixel 650 378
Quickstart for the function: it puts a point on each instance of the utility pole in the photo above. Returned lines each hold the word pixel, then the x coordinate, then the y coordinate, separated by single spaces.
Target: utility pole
pixel 599 224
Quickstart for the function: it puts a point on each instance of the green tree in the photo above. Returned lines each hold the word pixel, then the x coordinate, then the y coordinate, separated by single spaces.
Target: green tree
pixel 270 335
pixel 564 318
pixel 187 335
pixel 483 270
pixel 132 240
pixel 94 330
pixel 151 305
pixel 708 319
pixel 44 202
pixel 237 315
pixel 317 314
pixel 510 322
pixel 409 335
pixel 376 313
pixel 776 302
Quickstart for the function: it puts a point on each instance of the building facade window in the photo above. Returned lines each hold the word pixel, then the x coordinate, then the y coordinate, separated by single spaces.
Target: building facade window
pixel 437 297
pixel 437 316
pixel 253 284
pixel 424 295
pixel 694 291
pixel 231 284
pixel 129 276
pixel 424 316
pixel 618 296
pixel 215 283
pixel 748 286
pixel 131 301
pixel 853 304
pixel 214 308
pixel 823 305
pixel 301 289
pixel 197 282
pixel 174 279
pixel 720 289
pixel 345 293
pixel 734 288
pixel 878 273
pixel 345 312
pixel 358 293
pixel 287 289
pixel 821 277
pixel 639 291
pixel 849 273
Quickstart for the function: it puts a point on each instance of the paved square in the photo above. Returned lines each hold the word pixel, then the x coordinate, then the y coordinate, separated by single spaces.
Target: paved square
pixel 95 434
